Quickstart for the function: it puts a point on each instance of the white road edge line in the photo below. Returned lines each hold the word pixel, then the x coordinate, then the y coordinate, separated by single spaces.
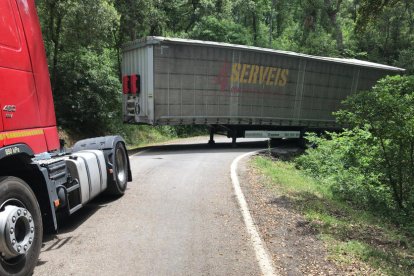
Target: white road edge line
pixel 265 262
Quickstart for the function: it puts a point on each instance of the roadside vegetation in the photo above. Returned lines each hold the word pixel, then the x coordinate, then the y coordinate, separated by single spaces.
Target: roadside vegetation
pixel 83 40
pixel 140 136
pixel 357 187
pixel 356 238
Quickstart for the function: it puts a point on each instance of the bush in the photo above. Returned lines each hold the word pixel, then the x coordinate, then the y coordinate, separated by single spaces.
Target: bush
pixel 88 93
pixel 373 163
pixel 347 163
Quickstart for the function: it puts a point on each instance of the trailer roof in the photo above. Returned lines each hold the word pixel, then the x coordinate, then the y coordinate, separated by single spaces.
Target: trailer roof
pixel 150 40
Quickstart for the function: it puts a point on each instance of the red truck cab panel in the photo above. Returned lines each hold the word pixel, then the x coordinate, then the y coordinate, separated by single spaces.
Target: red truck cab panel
pixel 38 57
pixel 13 48
pixel 27 110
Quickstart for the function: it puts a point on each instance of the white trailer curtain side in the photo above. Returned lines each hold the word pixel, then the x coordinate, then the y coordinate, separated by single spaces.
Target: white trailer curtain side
pixel 197 82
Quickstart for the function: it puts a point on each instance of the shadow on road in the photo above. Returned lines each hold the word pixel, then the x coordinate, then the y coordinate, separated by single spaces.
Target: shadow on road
pixel 203 148
pixel 67 224
pixel 220 147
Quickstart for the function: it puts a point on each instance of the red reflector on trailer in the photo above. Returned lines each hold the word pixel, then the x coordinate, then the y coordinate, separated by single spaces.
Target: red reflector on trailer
pixel 126 85
pixel 135 84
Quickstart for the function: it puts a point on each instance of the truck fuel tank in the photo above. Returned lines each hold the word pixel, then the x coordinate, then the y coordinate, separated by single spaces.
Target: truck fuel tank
pixel 88 167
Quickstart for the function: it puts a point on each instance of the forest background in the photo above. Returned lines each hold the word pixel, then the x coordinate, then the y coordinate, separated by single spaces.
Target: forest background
pixel 83 41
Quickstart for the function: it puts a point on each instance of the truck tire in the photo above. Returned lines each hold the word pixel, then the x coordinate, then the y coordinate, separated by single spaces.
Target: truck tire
pixel 17 200
pixel 118 185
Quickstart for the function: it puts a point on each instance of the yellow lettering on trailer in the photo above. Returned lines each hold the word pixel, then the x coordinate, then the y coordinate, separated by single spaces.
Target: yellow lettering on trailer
pixel 235 72
pixel 256 74
pixel 283 77
pixel 263 74
pixel 253 74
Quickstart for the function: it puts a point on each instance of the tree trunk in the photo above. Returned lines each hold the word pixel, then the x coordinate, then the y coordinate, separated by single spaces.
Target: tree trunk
pixel 279 18
pixel 53 35
pixel 194 4
pixel 56 42
pixel 333 14
pixel 255 28
pixel 409 7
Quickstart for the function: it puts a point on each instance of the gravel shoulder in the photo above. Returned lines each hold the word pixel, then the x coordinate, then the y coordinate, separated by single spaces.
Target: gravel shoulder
pixel 291 241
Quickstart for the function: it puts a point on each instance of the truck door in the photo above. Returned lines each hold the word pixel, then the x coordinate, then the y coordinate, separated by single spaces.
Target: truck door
pixel 18 98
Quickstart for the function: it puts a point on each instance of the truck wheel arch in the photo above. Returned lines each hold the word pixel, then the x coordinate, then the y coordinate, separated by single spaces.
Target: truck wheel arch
pixel 107 144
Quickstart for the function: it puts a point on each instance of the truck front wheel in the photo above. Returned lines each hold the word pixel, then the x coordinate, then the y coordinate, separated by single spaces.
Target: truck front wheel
pixel 21 228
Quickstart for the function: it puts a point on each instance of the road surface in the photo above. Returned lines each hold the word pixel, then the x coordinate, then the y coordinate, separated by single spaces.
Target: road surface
pixel 179 216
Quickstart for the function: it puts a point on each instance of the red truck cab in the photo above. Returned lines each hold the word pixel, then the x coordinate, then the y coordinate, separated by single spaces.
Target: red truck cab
pixel 27 110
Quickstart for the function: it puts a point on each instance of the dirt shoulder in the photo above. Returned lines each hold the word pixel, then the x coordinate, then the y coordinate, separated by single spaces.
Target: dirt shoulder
pixel 290 239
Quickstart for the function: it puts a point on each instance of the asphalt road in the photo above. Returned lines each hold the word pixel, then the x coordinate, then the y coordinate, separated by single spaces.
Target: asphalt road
pixel 178 217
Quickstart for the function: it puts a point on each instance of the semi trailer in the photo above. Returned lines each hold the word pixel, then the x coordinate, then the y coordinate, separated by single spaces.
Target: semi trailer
pixel 38 179
pixel 241 90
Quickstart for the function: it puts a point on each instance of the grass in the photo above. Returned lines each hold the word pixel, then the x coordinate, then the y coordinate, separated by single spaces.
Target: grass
pixel 140 136
pixel 148 135
pixel 352 237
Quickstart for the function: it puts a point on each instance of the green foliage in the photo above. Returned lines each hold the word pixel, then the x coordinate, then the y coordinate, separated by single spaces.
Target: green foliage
pixel 387 33
pixel 190 130
pixel 146 135
pixel 89 24
pixel 373 163
pixel 370 9
pixel 406 60
pixel 80 46
pixel 87 92
pixel 281 172
pixel 318 42
pixel 388 112
pixel 221 30
pixel 348 163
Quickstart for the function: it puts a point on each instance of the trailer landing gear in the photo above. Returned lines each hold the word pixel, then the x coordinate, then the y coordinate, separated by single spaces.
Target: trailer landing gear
pixel 211 141
pixel 234 139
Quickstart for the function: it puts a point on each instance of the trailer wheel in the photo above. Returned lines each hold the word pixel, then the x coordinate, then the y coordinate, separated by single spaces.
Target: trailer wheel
pixel 21 228
pixel 120 163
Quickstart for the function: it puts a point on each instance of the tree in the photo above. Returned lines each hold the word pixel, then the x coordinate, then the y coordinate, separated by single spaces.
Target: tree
pixel 388 113
pixel 80 44
pixel 213 29
pixel 370 9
